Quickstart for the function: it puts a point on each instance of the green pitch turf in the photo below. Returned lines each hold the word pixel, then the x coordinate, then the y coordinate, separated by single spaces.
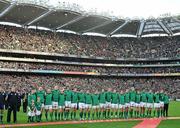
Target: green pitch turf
pixel 174 111
pixel 169 124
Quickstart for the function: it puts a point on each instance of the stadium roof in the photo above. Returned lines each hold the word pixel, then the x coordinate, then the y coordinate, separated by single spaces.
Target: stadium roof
pixel 31 14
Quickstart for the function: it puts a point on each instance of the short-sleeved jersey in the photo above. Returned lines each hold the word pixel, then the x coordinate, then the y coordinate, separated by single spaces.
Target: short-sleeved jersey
pixel 61 101
pixel 102 97
pixel 114 97
pixel 81 97
pixel 31 97
pixel 122 99
pixel 41 94
pixel 156 98
pixel 150 97
pixel 55 95
pixel 88 99
pixel 74 98
pixel 108 96
pixel 144 97
pixel 132 95
pixel 95 99
pixel 48 99
pixel 127 97
pixel 68 95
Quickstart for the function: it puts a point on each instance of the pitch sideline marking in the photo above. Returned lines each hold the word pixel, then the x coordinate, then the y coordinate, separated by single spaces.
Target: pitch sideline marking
pixel 78 122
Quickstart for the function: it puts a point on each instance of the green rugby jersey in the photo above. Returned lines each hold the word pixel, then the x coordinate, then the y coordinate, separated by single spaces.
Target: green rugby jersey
pixel 95 99
pixel 81 97
pixel 74 98
pixel 114 97
pixel 161 96
pixel 122 99
pixel 150 97
pixel 55 95
pixel 127 97
pixel 88 99
pixel 38 106
pixel 61 101
pixel 132 95
pixel 138 98
pixel 166 99
pixel 156 98
pixel 68 95
pixel 108 96
pixel 144 97
pixel 31 97
pixel 102 97
pixel 48 99
pixel 41 94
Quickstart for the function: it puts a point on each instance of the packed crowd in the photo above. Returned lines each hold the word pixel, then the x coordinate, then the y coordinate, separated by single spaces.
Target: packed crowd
pixel 78 68
pixel 25 83
pixel 44 41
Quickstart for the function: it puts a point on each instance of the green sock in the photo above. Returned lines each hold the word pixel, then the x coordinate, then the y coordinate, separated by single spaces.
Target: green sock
pixel 97 115
pixel 93 115
pixel 55 115
pixel 46 115
pixel 29 119
pixel 32 118
pixel 88 115
pixel 71 115
pixel 104 114
pixel 108 113
pixel 74 115
pixel 59 116
pixel 84 115
pixel 116 113
pixel 51 115
pixel 67 115
pixel 62 114
pixel 111 113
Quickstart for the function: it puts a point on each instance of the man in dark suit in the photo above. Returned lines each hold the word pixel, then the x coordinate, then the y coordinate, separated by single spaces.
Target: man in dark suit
pixel 12 100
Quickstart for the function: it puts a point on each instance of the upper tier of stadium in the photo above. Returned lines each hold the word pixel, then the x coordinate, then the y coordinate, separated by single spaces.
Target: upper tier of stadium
pixel 29 14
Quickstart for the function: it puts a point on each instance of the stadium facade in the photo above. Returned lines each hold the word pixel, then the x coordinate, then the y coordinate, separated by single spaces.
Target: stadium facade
pixel 28 14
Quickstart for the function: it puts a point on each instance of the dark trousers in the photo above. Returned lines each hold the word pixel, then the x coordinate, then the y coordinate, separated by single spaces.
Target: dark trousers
pixel 166 107
pixel 10 109
pixel 24 107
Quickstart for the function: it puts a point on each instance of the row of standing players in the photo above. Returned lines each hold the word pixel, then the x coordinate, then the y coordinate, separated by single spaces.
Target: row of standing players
pixel 62 104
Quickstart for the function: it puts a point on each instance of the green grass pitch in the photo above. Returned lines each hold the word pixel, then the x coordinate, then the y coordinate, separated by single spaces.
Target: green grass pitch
pixel 174 111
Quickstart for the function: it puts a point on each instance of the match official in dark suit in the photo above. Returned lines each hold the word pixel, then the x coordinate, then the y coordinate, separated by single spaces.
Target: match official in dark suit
pixel 12 100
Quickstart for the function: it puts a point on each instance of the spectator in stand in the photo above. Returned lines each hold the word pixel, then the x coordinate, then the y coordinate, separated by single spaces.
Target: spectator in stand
pixel 46 41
